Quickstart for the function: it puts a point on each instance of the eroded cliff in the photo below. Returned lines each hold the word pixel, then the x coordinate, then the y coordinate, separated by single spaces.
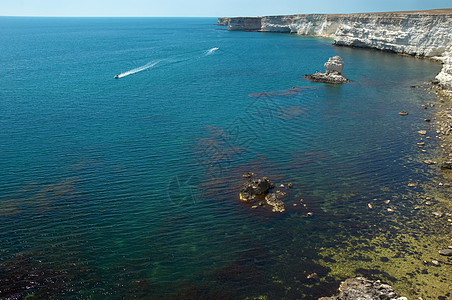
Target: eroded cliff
pixel 420 33
pixel 445 76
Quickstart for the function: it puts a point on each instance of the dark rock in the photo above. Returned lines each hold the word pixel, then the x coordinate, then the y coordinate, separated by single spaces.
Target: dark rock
pixel 254 188
pixel 425 106
pixel 403 113
pixel 360 288
pixel 427 120
pixel 327 78
pixel 290 184
pixel 445 252
pixel 447 165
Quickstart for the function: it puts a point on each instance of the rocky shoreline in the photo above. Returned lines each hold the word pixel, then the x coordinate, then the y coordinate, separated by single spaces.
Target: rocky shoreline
pixel 361 288
pixel 443 130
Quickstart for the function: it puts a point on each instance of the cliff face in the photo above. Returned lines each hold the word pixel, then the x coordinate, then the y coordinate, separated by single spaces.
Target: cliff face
pixel 424 33
pixel 245 24
pixel 223 21
pixel 445 76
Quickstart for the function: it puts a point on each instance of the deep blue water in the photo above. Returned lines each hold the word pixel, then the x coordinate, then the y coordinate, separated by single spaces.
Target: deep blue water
pixel 122 188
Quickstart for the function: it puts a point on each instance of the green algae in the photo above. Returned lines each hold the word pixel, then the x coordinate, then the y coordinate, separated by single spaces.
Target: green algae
pixel 403 247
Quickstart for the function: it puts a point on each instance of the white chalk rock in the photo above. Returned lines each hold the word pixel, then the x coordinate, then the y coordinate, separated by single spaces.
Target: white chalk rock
pixel 334 65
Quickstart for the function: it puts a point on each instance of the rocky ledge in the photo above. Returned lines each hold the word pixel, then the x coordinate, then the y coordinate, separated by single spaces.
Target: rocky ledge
pixel 360 288
pixel 333 74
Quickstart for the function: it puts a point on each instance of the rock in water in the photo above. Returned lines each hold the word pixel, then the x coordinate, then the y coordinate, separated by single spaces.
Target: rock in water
pixel 273 200
pixel 333 74
pixel 447 165
pixel 445 252
pixel 248 175
pixel 360 288
pixel 255 187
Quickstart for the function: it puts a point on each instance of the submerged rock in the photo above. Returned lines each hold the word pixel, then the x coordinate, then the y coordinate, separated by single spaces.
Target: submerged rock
pixel 254 188
pixel 273 200
pixel 437 214
pixel 333 74
pixel 248 175
pixel 445 252
pixel 446 165
pixel 360 288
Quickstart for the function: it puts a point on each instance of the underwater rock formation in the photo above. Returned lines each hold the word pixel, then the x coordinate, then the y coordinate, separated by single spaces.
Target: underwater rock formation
pixel 274 201
pixel 333 74
pixel 360 288
pixel 446 165
pixel 253 188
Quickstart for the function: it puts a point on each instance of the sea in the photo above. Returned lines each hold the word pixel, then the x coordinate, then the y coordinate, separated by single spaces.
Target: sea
pixel 128 187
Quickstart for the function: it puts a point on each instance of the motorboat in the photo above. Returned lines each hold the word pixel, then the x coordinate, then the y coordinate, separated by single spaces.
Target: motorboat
pixel 116 76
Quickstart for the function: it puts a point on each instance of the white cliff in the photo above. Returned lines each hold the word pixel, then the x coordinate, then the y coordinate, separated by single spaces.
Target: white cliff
pixel 423 33
pixel 414 34
pixel 445 76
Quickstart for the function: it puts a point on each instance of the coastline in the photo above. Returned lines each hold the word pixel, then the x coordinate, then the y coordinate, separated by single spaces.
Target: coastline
pixel 417 33
pixel 382 31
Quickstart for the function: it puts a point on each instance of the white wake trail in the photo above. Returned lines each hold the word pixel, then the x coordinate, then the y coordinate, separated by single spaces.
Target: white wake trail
pixel 211 51
pixel 168 61
pixel 139 69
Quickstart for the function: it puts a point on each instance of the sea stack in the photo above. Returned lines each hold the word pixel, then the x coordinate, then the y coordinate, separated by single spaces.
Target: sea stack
pixel 333 74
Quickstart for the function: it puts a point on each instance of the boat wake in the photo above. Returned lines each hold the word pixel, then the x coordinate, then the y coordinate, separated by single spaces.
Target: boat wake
pixel 139 69
pixel 166 61
pixel 211 51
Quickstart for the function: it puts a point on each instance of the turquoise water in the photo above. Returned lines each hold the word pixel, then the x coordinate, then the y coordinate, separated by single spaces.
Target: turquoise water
pixel 122 188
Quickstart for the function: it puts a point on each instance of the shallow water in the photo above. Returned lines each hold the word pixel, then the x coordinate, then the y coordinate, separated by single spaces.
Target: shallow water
pixel 120 188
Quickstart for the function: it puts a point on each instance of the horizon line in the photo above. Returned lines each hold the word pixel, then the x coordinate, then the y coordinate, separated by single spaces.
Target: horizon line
pixel 308 13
